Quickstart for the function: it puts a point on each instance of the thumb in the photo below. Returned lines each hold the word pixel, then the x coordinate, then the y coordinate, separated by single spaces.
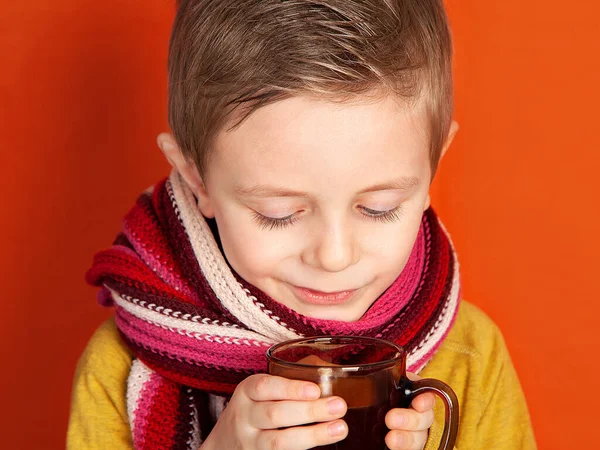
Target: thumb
pixel 422 402
pixel 413 376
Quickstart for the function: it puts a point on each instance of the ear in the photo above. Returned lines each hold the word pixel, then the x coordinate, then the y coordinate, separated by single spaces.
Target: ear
pixel 451 133
pixel 188 171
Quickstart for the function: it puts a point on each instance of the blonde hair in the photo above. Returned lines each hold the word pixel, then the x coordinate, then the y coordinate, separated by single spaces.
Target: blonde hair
pixel 229 56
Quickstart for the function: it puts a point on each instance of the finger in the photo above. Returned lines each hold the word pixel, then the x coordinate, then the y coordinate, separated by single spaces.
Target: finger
pixel 406 440
pixel 262 387
pixel 301 438
pixel 409 420
pixel 271 415
pixel 423 402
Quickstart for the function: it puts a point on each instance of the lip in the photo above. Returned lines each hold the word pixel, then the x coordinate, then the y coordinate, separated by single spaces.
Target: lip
pixel 323 298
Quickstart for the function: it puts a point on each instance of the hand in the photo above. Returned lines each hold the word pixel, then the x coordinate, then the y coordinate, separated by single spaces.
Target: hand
pixel 263 404
pixel 409 428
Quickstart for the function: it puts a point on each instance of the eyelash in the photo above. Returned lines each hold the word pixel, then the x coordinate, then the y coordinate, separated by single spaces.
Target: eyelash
pixel 381 216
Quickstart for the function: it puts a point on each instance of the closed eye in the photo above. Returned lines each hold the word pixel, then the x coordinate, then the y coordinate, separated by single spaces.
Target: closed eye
pixel 271 223
pixel 391 215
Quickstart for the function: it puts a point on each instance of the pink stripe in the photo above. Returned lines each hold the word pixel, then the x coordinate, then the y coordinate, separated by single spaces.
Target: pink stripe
pixel 143 405
pixel 398 295
pixel 200 352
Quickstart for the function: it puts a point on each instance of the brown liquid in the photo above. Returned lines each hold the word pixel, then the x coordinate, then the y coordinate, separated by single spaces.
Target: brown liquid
pixel 368 403
pixel 366 429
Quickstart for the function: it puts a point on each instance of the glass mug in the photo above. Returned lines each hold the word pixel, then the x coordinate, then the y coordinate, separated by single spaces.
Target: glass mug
pixel 369 374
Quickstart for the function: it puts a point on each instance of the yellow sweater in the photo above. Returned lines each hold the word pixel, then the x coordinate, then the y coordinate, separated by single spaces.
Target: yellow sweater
pixel 473 360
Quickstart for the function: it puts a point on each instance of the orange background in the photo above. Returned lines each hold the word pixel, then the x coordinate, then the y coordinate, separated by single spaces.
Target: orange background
pixel 83 96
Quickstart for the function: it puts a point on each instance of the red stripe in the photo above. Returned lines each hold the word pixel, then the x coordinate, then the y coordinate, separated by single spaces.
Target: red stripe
pixel 117 263
pixel 203 385
pixel 159 433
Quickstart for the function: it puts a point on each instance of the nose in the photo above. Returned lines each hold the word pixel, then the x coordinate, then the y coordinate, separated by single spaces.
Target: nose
pixel 333 250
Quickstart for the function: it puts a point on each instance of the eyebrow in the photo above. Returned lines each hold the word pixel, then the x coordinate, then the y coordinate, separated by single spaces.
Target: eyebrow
pixel 262 190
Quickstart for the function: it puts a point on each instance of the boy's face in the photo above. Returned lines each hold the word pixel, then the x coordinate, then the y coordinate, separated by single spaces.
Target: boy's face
pixel 312 194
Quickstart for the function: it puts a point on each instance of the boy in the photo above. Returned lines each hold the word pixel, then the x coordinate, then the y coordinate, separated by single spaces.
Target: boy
pixel 305 136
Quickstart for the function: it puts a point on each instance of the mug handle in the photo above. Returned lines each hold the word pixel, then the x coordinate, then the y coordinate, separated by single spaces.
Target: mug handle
pixel 411 389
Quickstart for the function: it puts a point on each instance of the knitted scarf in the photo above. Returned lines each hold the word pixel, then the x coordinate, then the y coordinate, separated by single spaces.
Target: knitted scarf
pixel 196 328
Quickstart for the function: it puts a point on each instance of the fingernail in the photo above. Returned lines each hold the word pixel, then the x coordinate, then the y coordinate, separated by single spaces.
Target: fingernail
pixel 310 391
pixel 336 428
pixel 335 406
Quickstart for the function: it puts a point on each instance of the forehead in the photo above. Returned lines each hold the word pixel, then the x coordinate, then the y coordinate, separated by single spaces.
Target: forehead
pixel 304 136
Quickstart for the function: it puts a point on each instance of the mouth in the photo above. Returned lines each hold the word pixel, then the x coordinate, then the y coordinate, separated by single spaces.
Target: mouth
pixel 323 298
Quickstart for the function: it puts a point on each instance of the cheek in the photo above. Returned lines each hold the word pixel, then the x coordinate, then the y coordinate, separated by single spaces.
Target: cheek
pixel 251 251
pixel 391 246
pixel 391 256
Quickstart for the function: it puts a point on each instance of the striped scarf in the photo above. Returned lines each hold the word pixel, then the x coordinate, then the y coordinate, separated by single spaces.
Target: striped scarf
pixel 196 328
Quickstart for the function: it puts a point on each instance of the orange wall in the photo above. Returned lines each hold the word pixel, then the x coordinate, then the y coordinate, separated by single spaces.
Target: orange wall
pixel 82 97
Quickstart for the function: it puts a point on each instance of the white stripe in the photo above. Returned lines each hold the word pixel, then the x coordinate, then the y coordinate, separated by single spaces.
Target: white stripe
pixel 195 440
pixel 216 405
pixel 216 271
pixel 185 325
pixel 138 376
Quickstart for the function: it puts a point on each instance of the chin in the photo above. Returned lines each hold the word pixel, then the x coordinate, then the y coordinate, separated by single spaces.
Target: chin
pixel 334 314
